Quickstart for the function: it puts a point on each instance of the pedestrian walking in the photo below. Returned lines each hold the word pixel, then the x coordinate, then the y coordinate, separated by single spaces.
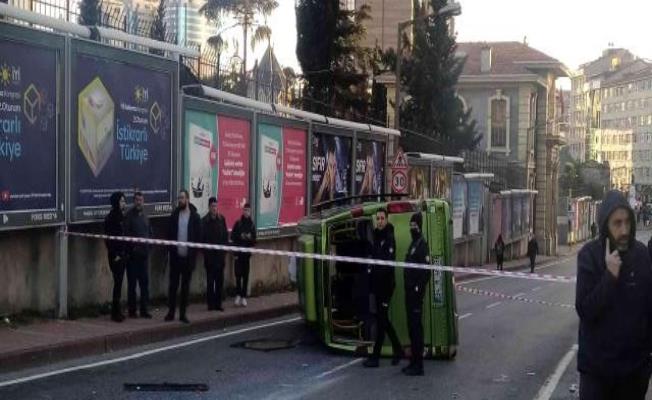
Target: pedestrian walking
pixel 499 250
pixel 243 235
pixel 185 226
pixel 416 281
pixel 137 224
pixel 382 287
pixel 117 250
pixel 613 298
pixel 214 232
pixel 532 251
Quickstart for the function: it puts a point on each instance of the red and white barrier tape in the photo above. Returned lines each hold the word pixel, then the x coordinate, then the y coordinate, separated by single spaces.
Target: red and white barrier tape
pixel 488 293
pixel 324 257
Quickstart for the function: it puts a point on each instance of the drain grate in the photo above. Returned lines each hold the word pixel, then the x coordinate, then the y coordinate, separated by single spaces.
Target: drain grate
pixel 266 344
pixel 166 387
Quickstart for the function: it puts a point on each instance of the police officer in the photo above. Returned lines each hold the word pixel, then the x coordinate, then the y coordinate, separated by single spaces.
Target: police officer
pixel 416 281
pixel 382 286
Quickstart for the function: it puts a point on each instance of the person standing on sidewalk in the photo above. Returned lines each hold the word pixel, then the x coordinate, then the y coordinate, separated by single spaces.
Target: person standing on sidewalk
pixel 613 301
pixel 137 225
pixel 113 226
pixel 214 232
pixel 499 249
pixel 185 226
pixel 416 281
pixel 243 235
pixel 532 251
pixel 382 286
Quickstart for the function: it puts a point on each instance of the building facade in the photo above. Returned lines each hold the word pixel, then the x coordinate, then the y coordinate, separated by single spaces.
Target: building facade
pixel 510 88
pixel 186 24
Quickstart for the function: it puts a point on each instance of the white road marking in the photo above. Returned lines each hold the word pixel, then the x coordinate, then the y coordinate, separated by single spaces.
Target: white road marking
pixel 536 289
pixel 461 317
pixel 546 266
pixel 492 305
pixel 516 296
pixel 549 387
pixel 146 353
pixel 339 368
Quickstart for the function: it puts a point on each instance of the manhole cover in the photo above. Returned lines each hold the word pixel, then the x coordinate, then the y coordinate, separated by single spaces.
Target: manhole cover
pixel 266 344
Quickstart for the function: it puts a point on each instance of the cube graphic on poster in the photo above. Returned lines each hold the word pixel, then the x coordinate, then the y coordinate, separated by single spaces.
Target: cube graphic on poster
pixel 269 194
pixel 96 125
pixel 201 170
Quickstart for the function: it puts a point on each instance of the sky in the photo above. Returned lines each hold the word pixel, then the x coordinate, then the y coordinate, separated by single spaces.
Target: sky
pixel 572 31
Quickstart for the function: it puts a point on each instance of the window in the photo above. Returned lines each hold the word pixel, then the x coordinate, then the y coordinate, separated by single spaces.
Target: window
pixel 498 122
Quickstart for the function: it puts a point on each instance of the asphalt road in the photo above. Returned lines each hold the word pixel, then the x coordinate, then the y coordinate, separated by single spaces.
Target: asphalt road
pixel 508 350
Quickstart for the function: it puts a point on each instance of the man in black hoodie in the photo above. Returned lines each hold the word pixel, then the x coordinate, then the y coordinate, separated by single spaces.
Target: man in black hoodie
pixel 416 281
pixel 116 250
pixel 136 224
pixel 214 232
pixel 382 286
pixel 243 235
pixel 185 226
pixel 613 301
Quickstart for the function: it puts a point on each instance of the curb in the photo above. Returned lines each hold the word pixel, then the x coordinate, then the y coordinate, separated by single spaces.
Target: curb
pixel 48 354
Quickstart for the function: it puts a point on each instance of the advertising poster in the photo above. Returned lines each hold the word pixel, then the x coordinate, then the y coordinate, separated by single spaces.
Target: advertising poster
pixel 459 206
pixel 441 183
pixel 121 134
pixel 370 167
pixel 233 149
pixel 418 182
pixel 281 176
pixel 200 168
pixel 475 204
pixel 496 218
pixel 28 135
pixel 331 167
pixel 507 218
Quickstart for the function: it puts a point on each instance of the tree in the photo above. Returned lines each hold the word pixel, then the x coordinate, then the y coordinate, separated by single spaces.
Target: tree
pixel 89 12
pixel 158 29
pixel 430 76
pixel 335 64
pixel 246 13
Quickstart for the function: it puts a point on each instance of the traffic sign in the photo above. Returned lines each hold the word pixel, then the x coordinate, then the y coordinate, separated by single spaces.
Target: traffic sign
pixel 399 181
pixel 400 161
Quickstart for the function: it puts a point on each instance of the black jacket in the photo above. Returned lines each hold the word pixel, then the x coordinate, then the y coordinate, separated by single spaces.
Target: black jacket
pixel 136 224
pixel 384 248
pixel 214 232
pixel 532 248
pixel 113 226
pixel 241 228
pixel 417 253
pixel 194 230
pixel 614 334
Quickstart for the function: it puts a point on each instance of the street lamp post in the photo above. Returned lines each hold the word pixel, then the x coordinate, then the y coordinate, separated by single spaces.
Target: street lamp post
pixel 451 9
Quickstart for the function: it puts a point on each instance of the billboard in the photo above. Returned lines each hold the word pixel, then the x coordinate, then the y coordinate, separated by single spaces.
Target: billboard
pixel 331 175
pixel 419 182
pixel 441 183
pixel 459 205
pixel 200 157
pixel 281 177
pixel 369 167
pixel 516 215
pixel 475 206
pixel 30 176
pixel 121 136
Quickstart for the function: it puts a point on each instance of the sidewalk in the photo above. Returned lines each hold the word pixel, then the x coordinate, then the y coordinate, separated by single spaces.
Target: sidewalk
pixel 524 263
pixel 50 341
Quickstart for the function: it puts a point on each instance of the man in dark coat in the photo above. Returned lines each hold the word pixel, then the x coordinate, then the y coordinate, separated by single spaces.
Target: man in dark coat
pixel 117 250
pixel 185 226
pixel 243 235
pixel 136 224
pixel 214 232
pixel 382 286
pixel 532 251
pixel 613 301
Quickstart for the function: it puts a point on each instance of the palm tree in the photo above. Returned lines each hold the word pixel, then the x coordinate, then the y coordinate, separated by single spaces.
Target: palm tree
pixel 247 14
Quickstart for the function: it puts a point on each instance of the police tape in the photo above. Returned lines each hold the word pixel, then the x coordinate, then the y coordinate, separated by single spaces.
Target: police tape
pixel 488 293
pixel 329 257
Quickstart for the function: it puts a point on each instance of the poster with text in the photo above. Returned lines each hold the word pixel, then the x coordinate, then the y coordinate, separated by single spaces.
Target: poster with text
pixel 121 135
pixel 28 135
pixel 331 167
pixel 233 149
pixel 200 161
pixel 370 167
pixel 459 205
pixel 293 200
pixel 441 183
pixel 418 182
pixel 475 205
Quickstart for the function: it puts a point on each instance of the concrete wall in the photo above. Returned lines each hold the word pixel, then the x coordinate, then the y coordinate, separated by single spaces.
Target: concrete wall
pixel 29 271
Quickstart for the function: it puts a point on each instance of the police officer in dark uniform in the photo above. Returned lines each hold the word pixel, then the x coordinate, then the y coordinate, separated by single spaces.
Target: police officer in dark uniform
pixel 382 286
pixel 416 281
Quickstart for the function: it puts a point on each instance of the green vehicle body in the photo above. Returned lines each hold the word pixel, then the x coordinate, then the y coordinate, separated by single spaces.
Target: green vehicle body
pixel 317 280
